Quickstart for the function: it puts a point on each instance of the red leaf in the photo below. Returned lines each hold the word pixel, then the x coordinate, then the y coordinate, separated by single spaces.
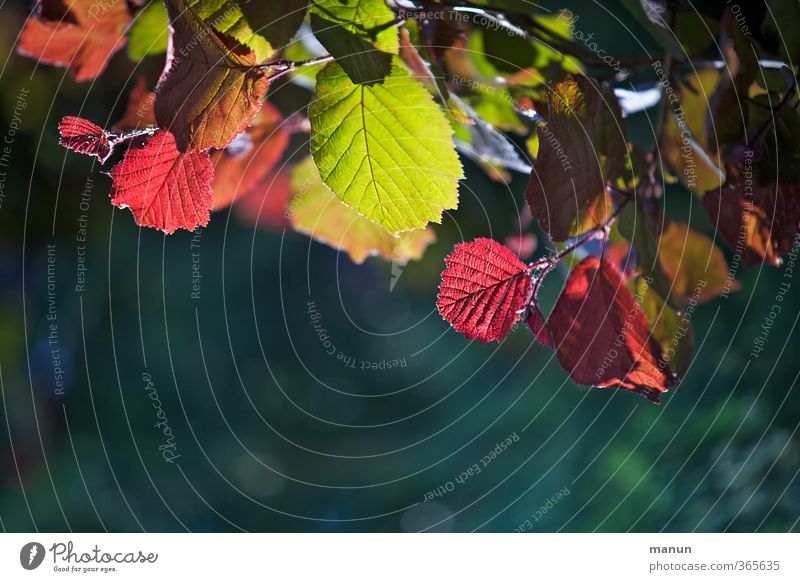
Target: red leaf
pixel 82 36
pixel 237 173
pixel 535 321
pixel 484 289
pixel 602 336
pixel 84 137
pixel 265 203
pixel 209 91
pixel 164 188
pixel 759 222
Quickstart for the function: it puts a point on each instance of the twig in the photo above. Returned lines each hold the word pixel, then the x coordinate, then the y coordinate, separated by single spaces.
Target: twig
pixel 284 66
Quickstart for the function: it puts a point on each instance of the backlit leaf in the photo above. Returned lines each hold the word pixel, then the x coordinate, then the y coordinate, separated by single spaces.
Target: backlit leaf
pixel 164 188
pixel 385 150
pixel 690 143
pixel 208 92
pixel 484 290
pixel 80 34
pixel 759 223
pixel 317 212
pixel 672 331
pixel 84 137
pixel 148 35
pixel 695 266
pixel 250 158
pixel 227 18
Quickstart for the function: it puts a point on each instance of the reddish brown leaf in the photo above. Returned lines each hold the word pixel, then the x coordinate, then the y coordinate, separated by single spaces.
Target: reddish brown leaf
pixel 209 91
pixel 84 137
pixel 535 321
pixel 581 149
pixel 602 336
pixel 80 34
pixel 484 289
pixel 249 159
pixel 265 203
pixel 140 112
pixel 757 222
pixel 164 188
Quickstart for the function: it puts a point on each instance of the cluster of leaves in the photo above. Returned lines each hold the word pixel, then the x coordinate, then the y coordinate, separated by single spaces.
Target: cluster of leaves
pixel 400 86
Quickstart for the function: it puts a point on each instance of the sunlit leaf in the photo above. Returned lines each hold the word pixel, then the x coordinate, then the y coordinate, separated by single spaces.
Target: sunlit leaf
pixel 317 212
pixel 385 150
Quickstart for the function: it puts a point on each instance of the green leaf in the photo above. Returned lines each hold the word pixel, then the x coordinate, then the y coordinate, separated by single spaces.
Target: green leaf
pixel 148 35
pixel 688 145
pixel 581 149
pixel 276 21
pixel 672 331
pixel 694 265
pixel 692 32
pixel 318 213
pixel 360 34
pixel 226 17
pixel 634 225
pixel 385 150
pixel 782 23
pixel 508 52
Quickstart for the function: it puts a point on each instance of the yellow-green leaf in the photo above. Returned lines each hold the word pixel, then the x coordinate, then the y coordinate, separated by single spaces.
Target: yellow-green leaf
pixel 318 213
pixel 692 262
pixel 385 150
pixel 148 34
pixel 226 17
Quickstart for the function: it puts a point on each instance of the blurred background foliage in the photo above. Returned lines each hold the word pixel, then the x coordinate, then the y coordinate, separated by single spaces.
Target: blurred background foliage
pixel 275 434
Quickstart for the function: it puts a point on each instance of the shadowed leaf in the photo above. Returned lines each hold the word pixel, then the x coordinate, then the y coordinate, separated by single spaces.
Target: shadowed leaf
pixel 602 336
pixel 360 34
pixel 276 21
pixel 581 149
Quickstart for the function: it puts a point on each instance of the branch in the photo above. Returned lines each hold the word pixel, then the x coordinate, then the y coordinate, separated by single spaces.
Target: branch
pixel 524 25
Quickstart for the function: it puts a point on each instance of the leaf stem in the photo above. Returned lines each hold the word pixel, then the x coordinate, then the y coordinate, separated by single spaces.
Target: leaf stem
pixel 775 111
pixel 547 264
pixel 592 233
pixel 284 66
